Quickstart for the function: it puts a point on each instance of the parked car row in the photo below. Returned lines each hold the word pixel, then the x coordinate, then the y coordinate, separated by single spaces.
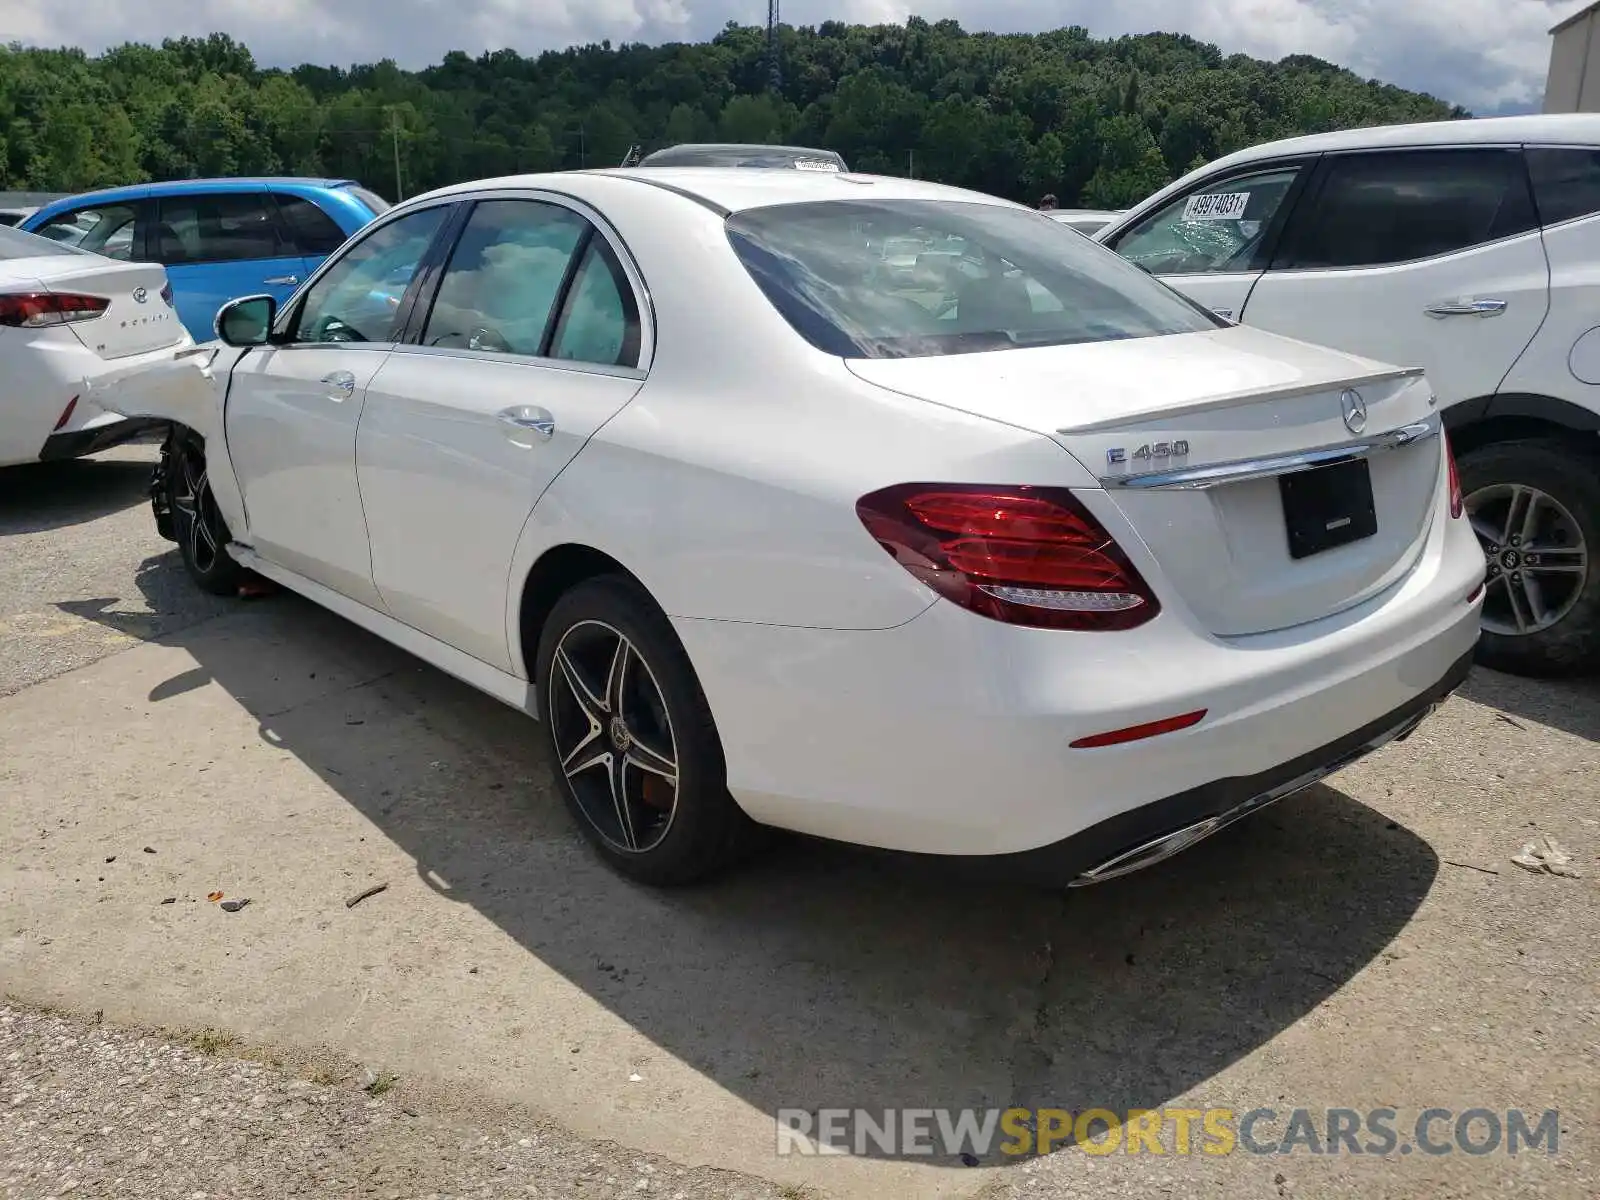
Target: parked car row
pixel 804 499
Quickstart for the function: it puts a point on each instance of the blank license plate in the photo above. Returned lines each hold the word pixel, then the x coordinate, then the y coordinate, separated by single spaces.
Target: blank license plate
pixel 1327 507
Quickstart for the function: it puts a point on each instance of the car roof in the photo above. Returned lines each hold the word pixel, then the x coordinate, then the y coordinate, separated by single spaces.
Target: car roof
pixel 180 187
pixel 1578 128
pixel 735 189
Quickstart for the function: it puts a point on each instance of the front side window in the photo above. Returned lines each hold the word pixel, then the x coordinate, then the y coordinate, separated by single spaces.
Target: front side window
pixel 1401 206
pixel 106 230
pixel 915 278
pixel 1566 182
pixel 358 298
pixel 225 227
pixel 1220 228
pixel 313 231
pixel 505 277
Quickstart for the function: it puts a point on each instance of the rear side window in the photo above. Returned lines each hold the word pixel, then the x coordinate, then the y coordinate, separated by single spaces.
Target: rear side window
pixel 505 277
pixel 225 227
pixel 1376 209
pixel 917 278
pixel 1566 182
pixel 107 230
pixel 600 323
pixel 313 231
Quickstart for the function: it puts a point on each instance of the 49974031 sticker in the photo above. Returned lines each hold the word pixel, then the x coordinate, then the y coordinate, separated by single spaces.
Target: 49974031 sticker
pixel 1216 206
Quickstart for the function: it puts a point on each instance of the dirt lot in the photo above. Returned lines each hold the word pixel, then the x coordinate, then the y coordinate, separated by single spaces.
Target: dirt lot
pixel 1367 944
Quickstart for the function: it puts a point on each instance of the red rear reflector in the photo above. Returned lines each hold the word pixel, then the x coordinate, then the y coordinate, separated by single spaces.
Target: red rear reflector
pixel 1476 592
pixel 66 414
pixel 1134 733
pixel 1457 506
pixel 1023 555
pixel 36 310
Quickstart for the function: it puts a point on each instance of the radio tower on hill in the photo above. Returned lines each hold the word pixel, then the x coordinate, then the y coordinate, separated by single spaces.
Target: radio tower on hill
pixel 774 71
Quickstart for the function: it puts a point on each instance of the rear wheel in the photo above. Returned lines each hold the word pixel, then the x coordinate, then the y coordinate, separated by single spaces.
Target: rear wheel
pixel 1535 506
pixel 196 523
pixel 632 737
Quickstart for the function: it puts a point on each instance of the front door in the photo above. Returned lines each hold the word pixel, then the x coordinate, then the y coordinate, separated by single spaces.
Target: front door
pixel 531 344
pixel 1422 258
pixel 1212 243
pixel 293 408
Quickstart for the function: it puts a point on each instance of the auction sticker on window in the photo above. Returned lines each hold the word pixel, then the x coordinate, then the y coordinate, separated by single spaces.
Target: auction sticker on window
pixel 1216 206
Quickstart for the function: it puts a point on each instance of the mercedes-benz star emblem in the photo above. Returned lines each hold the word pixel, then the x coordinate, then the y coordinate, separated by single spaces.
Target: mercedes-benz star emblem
pixel 1354 409
pixel 140 295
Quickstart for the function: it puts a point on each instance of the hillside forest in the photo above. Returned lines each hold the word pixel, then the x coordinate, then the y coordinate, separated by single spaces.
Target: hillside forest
pixel 1097 122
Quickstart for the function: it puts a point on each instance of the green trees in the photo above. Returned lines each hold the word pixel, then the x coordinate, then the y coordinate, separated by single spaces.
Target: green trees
pixel 1099 123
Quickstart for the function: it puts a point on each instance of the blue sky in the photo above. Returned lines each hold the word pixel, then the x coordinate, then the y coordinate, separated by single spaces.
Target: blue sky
pixel 1490 55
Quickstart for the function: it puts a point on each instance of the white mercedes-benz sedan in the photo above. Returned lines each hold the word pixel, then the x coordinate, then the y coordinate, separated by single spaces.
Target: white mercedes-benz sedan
pixel 74 326
pixel 1007 551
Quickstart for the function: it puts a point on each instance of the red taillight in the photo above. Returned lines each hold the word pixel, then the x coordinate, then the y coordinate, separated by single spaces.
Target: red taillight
pixel 166 293
pixel 1457 505
pixel 1023 555
pixel 35 310
pixel 1134 733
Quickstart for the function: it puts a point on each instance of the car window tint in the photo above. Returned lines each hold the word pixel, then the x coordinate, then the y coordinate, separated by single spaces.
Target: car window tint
pixel 223 227
pixel 313 231
pixel 106 230
pixel 1375 209
pixel 1566 182
pixel 358 298
pixel 913 278
pixel 504 277
pixel 1221 227
pixel 600 323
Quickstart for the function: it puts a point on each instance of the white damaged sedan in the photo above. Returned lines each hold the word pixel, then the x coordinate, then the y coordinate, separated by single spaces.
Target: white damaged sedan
pixel 996 549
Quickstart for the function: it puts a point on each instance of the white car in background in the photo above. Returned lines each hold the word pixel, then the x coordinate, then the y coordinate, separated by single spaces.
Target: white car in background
pixel 1024 556
pixel 1468 248
pixel 74 329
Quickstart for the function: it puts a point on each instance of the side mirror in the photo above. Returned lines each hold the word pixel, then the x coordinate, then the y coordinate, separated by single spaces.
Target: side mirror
pixel 246 321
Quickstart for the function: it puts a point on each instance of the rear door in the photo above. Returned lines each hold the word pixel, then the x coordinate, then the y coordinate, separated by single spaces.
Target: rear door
pixel 313 233
pixel 218 246
pixel 1213 241
pixel 533 341
pixel 1418 257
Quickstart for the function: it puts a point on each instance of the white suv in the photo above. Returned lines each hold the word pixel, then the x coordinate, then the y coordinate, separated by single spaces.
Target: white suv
pixel 1469 248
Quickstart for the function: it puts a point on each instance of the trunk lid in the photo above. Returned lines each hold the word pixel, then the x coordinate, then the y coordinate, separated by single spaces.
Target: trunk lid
pixel 1214 446
pixel 129 325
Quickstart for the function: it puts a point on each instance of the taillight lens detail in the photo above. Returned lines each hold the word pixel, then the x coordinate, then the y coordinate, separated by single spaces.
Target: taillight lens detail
pixel 166 293
pixel 1457 505
pixel 36 310
pixel 1023 555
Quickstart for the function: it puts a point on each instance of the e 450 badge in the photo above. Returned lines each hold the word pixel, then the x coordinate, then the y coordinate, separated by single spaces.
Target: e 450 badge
pixel 1150 450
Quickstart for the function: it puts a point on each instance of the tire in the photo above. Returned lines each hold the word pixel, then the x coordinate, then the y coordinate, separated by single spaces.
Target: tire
pixel 196 523
pixel 1542 599
pixel 667 831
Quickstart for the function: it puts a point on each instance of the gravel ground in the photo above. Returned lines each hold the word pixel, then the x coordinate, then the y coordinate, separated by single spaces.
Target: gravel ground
pixel 88 1110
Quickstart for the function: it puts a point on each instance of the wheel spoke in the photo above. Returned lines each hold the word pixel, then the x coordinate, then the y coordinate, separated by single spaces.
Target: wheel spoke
pixel 601 757
pixel 1518 602
pixel 617 675
pixel 570 765
pixel 594 707
pixel 1518 510
pixel 1556 560
pixel 1487 535
pixel 617 775
pixel 647 759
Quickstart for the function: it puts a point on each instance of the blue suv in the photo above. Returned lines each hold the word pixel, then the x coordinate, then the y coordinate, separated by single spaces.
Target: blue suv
pixel 219 239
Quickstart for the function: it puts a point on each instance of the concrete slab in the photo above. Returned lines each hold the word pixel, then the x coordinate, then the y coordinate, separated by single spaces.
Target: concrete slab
pixel 1324 954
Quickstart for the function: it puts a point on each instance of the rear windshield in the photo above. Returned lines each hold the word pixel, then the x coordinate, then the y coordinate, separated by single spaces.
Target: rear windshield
pixel 917 278
pixel 376 203
pixel 745 156
pixel 14 243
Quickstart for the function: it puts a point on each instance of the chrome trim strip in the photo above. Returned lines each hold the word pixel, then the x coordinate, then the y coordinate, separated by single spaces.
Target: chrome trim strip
pixel 1242 470
pixel 1231 399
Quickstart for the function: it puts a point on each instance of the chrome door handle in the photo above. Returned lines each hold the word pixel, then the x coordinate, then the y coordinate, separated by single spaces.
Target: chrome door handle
pixel 343 384
pixel 527 416
pixel 281 281
pixel 1466 308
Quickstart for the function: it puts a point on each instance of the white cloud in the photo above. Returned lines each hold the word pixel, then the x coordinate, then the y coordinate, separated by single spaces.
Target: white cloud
pixel 1484 54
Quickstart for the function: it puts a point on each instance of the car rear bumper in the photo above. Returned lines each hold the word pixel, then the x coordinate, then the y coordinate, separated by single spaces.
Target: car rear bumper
pixel 952 734
pixel 76 443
